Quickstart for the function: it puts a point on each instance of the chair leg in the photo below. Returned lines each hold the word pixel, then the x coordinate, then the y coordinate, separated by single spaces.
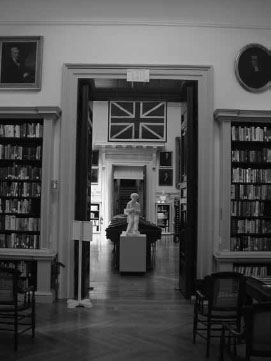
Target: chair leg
pixel 208 339
pixel 16 331
pixel 222 345
pixel 195 325
pixel 33 317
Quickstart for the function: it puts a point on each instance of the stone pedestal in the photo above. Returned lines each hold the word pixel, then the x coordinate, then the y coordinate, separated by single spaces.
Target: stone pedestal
pixel 132 254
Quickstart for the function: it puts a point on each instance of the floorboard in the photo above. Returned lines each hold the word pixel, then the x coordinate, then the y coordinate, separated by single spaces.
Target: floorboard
pixel 133 318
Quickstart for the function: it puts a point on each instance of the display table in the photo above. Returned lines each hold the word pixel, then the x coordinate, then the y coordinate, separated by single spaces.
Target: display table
pixel 118 225
pixel 132 253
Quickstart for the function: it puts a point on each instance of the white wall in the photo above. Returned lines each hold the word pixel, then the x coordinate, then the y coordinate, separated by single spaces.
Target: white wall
pixel 190 32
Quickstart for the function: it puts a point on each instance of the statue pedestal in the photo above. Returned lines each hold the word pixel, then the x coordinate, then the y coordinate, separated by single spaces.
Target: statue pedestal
pixel 132 255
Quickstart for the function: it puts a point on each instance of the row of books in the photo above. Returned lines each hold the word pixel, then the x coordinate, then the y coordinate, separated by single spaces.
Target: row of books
pixel 15 223
pixel 20 265
pixel 249 208
pixel 20 172
pixel 27 272
pixel 251 175
pixel 252 270
pixel 18 152
pixel 257 226
pixel 25 130
pixel 20 189
pixel 20 206
pixel 25 267
pixel 251 156
pixel 249 243
pixel 14 240
pixel 251 133
pixel 251 191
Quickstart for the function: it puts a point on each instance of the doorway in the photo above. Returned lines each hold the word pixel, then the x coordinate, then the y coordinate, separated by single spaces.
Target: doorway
pixel 204 222
pixel 127 180
pixel 123 188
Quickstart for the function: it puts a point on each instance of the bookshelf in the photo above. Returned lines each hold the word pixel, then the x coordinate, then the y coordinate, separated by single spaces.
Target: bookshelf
pixel 163 216
pixel 177 228
pixel 95 217
pixel 26 201
pixel 20 182
pixel 245 239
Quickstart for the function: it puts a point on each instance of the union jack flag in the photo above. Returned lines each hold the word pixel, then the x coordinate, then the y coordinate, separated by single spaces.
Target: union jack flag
pixel 137 121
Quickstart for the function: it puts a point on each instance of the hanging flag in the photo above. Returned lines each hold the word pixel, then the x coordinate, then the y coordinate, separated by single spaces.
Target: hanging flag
pixel 137 121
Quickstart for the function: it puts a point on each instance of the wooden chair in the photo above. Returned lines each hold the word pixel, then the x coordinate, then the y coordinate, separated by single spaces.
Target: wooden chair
pixel 255 335
pixel 219 298
pixel 17 304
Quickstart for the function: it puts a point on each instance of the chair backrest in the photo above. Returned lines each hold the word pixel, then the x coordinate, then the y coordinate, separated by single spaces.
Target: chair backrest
pixel 257 319
pixel 226 291
pixel 8 286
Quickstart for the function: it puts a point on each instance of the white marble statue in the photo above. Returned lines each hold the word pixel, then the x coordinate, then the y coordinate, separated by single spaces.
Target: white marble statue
pixel 132 211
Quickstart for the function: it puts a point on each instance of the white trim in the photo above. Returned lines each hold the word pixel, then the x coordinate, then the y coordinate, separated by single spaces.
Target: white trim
pixel 134 22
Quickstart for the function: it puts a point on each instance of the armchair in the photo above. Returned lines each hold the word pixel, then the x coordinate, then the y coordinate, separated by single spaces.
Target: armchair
pixel 17 304
pixel 255 335
pixel 219 298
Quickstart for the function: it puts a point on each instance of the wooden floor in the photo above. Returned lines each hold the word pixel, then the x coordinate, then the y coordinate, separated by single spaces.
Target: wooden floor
pixel 133 318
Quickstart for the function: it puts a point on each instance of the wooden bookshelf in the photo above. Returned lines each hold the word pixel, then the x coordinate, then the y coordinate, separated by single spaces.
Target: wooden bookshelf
pixel 245 239
pixel 95 217
pixel 163 216
pixel 26 155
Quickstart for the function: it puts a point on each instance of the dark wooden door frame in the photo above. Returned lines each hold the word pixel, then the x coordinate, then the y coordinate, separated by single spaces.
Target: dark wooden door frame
pixel 188 227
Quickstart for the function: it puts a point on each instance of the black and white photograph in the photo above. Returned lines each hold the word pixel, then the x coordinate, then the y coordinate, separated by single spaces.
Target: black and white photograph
pixel 135 180
pixel 21 60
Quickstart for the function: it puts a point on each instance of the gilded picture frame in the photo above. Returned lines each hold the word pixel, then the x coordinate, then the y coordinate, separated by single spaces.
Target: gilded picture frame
pixel 252 68
pixel 21 62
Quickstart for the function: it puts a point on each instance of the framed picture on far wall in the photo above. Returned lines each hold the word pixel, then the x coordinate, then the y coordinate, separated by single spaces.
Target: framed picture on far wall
pixel 20 62
pixel 94 175
pixel 165 177
pixel 95 158
pixel 165 159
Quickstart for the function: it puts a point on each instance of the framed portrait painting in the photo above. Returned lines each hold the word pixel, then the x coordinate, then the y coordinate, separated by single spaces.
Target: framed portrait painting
pixel 94 175
pixel 252 68
pixel 165 177
pixel 20 62
pixel 165 159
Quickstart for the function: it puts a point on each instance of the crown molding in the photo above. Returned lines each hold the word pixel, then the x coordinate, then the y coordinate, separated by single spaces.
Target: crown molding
pixel 132 22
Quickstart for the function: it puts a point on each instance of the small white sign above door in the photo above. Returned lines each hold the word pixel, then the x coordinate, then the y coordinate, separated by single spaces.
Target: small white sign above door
pixel 138 75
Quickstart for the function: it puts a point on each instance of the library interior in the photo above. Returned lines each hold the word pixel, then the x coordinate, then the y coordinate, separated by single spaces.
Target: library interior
pixel 135 181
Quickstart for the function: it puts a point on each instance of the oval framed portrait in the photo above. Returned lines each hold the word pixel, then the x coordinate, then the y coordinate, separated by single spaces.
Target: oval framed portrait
pixel 252 68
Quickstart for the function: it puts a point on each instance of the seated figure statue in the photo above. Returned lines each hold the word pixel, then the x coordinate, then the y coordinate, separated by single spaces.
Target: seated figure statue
pixel 132 211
